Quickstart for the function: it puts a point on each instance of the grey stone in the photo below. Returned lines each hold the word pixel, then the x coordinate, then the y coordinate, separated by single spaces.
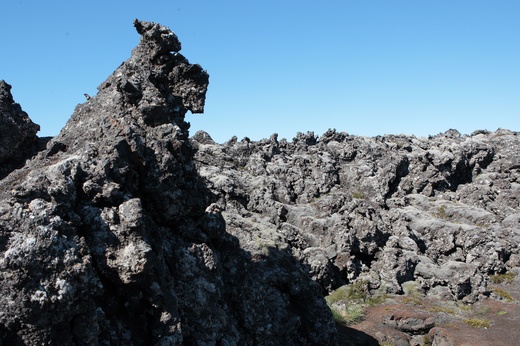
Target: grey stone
pixel 110 236
pixel 378 207
pixel 18 140
pixel 124 230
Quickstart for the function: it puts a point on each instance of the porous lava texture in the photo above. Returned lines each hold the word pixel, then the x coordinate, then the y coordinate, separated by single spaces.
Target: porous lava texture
pixel 109 236
pixel 125 231
pixel 439 214
pixel 18 140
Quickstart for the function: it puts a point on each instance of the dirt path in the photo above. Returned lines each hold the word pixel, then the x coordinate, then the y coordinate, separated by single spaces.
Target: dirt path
pixel 414 320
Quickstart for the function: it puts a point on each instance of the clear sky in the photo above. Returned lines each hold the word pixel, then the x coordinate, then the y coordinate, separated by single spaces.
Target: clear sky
pixel 367 67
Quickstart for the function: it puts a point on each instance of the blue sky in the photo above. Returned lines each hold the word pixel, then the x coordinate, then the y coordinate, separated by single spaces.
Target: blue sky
pixel 368 67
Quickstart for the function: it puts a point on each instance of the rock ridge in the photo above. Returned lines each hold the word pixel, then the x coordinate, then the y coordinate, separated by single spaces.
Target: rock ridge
pixel 110 237
pixel 440 213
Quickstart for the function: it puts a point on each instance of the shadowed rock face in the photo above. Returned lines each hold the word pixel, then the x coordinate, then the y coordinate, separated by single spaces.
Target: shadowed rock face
pixel 110 237
pixel 18 139
pixel 124 231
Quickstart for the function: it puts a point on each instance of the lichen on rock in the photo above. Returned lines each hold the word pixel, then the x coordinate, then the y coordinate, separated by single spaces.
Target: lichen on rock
pixel 110 237
pixel 125 231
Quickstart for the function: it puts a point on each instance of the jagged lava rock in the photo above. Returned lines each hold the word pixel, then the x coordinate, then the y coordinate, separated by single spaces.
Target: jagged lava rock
pixel 441 212
pixel 110 237
pixel 18 139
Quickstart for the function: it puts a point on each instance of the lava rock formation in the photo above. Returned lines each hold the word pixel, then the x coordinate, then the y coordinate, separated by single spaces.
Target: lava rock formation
pixel 109 236
pixel 440 214
pixel 125 231
pixel 18 140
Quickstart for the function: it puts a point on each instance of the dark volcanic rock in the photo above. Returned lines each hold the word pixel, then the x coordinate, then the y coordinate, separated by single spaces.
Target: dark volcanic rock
pixel 124 231
pixel 440 213
pixel 110 236
pixel 18 140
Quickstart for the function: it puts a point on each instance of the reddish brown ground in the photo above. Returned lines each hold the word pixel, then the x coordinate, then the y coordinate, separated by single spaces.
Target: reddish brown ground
pixel 503 317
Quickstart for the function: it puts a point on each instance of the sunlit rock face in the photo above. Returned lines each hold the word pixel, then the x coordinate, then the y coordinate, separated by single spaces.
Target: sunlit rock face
pixel 441 212
pixel 109 236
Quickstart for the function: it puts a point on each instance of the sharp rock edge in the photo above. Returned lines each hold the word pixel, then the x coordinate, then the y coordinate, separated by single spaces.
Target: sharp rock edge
pixel 110 236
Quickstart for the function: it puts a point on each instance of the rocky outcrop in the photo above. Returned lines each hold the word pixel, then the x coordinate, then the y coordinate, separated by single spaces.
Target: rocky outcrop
pixel 439 214
pixel 110 237
pixel 18 140
pixel 124 231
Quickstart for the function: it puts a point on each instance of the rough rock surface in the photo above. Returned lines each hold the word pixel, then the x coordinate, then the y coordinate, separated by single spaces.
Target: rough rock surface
pixel 18 140
pixel 440 214
pixel 123 231
pixel 109 236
